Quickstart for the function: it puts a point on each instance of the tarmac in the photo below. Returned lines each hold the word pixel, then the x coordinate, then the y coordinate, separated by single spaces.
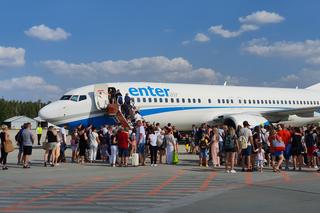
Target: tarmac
pixel 185 187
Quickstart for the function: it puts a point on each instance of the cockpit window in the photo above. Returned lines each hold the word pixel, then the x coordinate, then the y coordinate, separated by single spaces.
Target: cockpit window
pixel 65 97
pixel 82 97
pixel 74 98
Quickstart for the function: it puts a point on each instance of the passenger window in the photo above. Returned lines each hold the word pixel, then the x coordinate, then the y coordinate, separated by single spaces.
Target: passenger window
pixel 155 100
pixel 183 100
pixel 293 102
pixel 172 100
pixel 150 100
pixel 285 102
pixel 244 101
pixel 199 100
pixel 177 100
pixel 82 97
pixel 289 102
pixel 278 102
pixel 223 101
pixel 249 101
pixel 189 100
pixel 231 101
pixel 166 100
pixel 144 99
pixel 227 101
pixel 160 100
pixel 317 102
pixel 74 98
pixel 138 100
pixel 209 101
pixel 194 100
pixel 239 101
pixel 254 101
pixel 281 101
pixel 219 101
pixel 304 102
pixel 258 101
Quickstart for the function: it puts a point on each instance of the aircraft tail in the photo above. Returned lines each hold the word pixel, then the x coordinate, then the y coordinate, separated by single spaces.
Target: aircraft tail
pixel 314 87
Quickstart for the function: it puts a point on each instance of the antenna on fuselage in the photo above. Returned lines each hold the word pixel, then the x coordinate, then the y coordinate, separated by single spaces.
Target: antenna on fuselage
pixel 225 83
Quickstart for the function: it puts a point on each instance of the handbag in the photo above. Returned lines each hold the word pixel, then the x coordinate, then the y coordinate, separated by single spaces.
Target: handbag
pixel 175 159
pixel 8 146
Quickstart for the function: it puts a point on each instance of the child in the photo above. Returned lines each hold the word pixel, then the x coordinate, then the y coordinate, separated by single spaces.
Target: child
pixel 260 157
pixel 203 146
pixel 188 144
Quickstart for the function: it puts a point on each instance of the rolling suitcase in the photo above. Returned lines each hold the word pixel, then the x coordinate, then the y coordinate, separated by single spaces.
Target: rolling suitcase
pixel 135 159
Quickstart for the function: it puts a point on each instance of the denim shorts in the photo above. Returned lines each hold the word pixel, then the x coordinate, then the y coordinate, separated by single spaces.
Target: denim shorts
pixel 203 153
pixel 247 151
pixel 123 152
pixel 141 148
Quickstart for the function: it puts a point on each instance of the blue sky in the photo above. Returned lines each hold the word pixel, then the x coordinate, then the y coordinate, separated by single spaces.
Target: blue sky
pixel 49 47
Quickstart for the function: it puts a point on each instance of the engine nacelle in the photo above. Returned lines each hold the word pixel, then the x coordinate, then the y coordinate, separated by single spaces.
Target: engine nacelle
pixel 253 120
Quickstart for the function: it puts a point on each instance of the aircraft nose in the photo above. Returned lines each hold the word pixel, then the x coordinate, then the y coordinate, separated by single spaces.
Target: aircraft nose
pixel 48 113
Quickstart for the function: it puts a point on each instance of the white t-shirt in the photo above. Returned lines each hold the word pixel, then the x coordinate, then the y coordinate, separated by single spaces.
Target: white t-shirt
pixel 246 132
pixel 142 131
pixel 153 139
pixel 260 155
pixel 93 138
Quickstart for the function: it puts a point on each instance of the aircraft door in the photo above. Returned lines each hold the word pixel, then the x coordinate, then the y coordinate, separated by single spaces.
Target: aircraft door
pixel 101 97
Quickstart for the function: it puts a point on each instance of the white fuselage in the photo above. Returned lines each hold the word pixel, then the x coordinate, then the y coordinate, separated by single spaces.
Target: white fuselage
pixel 179 104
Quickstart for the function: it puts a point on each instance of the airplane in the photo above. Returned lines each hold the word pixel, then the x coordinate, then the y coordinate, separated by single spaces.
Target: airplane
pixel 185 104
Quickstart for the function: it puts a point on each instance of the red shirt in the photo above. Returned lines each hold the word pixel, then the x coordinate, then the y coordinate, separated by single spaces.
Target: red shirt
pixel 285 135
pixel 123 140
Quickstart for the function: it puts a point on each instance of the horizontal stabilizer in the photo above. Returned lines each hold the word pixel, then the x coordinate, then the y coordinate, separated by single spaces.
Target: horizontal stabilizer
pixel 314 87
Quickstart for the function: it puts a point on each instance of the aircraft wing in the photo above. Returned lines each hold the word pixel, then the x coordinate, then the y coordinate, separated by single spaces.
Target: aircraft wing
pixel 302 112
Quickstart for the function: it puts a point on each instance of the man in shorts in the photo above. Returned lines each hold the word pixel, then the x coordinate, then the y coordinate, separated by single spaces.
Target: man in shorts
pixel 27 140
pixel 246 153
pixel 123 146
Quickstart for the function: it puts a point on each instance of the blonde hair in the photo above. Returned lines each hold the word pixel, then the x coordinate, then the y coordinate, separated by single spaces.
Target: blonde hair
pixel 4 127
pixel 232 131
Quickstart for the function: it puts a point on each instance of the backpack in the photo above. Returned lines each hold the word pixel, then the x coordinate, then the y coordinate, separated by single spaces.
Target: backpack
pixel 203 144
pixel 309 140
pixel 229 142
pixel 19 137
pixel 164 143
pixel 243 142
pixel 159 140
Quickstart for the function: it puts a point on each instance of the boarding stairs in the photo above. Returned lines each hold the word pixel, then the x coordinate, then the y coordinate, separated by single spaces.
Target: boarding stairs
pixel 114 111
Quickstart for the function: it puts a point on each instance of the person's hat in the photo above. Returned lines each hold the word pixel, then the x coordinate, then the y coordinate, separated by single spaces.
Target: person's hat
pixel 246 123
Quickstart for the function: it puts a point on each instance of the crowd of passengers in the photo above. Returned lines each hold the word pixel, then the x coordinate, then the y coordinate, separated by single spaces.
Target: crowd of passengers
pixel 218 146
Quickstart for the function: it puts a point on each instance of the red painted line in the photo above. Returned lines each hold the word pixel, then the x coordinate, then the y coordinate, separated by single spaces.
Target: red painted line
pixel 285 176
pixel 34 186
pixel 249 178
pixel 96 195
pixel 205 184
pixel 22 205
pixel 165 183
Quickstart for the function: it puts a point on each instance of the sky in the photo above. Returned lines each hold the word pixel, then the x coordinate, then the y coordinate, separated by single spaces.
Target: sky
pixel 50 47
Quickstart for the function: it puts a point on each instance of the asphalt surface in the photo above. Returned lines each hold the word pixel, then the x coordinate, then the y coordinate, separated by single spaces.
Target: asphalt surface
pixel 166 188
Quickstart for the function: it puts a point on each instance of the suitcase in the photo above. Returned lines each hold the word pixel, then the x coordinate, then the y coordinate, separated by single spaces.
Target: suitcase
pixel 135 159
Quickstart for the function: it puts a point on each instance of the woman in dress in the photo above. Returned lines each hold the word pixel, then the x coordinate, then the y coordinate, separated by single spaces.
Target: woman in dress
pixel 171 145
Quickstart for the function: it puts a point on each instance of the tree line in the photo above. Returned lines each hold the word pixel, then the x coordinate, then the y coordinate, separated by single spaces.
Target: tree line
pixel 10 108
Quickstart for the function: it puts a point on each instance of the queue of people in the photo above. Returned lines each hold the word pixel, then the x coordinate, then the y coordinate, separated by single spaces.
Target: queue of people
pixel 253 149
pixel 249 148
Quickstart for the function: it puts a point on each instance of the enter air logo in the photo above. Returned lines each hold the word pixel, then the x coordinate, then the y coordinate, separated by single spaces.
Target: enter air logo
pixel 150 91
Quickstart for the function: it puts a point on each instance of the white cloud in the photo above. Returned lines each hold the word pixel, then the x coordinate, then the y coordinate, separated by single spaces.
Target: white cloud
pixel 30 83
pixel 218 29
pixel 200 37
pixel 158 69
pixel 46 33
pixel 308 50
pixel 186 42
pixel 11 56
pixel 251 22
pixel 261 17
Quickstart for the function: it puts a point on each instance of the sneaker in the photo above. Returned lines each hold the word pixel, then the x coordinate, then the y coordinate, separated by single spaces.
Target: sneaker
pixel 151 165
pixel 316 167
pixel 5 168
pixel 155 165
pixel 227 171
pixel 113 165
pixel 233 171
